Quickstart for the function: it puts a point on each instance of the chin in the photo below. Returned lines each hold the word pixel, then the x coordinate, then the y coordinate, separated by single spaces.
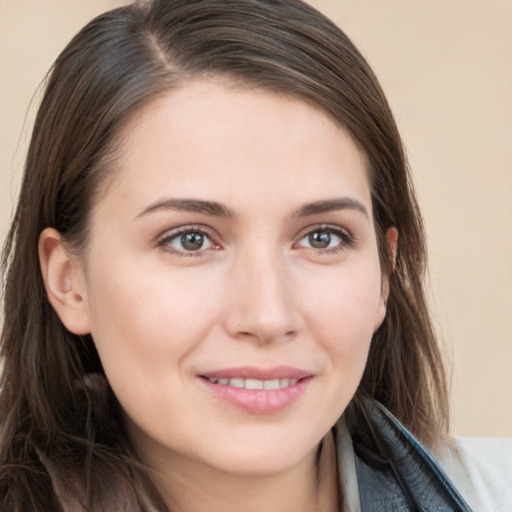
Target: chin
pixel 262 459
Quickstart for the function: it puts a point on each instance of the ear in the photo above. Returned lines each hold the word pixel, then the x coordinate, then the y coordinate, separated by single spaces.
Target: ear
pixel 392 240
pixel 64 281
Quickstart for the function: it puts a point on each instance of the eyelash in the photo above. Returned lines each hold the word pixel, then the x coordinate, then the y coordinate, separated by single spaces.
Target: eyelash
pixel 347 240
pixel 166 240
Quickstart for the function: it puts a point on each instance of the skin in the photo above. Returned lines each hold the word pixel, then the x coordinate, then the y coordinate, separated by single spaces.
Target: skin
pixel 258 292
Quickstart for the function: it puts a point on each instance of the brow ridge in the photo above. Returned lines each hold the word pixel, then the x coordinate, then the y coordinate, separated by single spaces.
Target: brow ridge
pixel 211 208
pixel 328 205
pixel 214 208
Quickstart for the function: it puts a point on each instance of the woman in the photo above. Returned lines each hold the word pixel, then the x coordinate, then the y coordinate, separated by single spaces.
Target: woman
pixel 213 280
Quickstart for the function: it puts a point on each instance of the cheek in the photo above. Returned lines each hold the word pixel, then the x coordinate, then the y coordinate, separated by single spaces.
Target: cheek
pixel 144 323
pixel 346 305
pixel 343 312
pixel 146 330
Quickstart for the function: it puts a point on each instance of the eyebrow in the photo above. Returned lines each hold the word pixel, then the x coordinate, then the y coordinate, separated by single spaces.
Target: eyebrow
pixel 211 208
pixel 330 205
pixel 215 209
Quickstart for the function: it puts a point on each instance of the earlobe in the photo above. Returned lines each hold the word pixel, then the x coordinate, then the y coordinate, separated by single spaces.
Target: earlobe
pixel 64 282
pixel 392 240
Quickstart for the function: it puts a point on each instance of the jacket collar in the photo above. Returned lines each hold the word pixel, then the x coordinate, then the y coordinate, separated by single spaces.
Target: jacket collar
pixel 382 466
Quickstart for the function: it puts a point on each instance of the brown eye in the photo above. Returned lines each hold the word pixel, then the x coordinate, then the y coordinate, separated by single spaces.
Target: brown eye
pixel 188 241
pixel 330 239
pixel 320 239
pixel 192 241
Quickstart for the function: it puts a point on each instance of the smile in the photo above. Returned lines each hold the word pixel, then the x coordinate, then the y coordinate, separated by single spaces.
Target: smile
pixel 271 384
pixel 257 391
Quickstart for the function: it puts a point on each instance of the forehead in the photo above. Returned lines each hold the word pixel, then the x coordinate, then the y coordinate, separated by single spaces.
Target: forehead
pixel 219 139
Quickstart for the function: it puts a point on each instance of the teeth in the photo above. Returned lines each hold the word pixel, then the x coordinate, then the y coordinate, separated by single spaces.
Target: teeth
pixel 253 384
pixel 271 384
pixel 238 382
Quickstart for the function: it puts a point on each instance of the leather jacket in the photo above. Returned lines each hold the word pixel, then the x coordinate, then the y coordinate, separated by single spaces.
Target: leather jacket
pixel 394 471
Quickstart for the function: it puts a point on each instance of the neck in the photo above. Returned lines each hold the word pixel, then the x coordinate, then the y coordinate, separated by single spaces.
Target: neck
pixel 310 485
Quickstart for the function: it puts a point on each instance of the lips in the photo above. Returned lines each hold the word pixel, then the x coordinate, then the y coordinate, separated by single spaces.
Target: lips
pixel 249 372
pixel 269 384
pixel 256 390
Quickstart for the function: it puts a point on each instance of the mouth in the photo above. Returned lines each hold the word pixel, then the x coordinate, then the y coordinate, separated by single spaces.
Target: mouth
pixel 237 382
pixel 258 391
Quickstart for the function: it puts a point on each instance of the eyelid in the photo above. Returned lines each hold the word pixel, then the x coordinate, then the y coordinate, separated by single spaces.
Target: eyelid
pixel 348 239
pixel 171 234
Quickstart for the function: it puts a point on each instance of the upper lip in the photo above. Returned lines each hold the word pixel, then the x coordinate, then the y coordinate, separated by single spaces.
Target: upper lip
pixel 250 372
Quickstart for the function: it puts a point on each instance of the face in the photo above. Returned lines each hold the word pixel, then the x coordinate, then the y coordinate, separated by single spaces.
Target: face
pixel 232 281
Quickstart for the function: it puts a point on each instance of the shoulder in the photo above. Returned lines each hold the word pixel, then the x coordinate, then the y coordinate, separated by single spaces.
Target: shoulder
pixel 393 470
pixel 481 469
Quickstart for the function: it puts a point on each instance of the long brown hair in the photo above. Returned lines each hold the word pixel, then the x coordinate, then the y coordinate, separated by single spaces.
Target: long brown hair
pixel 60 421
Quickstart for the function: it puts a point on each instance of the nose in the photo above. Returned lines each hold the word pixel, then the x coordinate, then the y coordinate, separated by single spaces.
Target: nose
pixel 262 306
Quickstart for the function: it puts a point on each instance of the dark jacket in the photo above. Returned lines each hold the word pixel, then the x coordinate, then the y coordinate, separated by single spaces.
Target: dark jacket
pixel 395 472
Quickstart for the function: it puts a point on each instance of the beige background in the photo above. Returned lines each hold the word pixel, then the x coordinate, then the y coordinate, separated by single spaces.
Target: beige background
pixel 447 69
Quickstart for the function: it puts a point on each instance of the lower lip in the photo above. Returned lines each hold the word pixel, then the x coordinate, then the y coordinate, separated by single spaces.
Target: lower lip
pixel 259 401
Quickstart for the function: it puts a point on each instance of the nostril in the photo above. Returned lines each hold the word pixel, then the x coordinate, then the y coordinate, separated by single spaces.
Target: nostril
pixel 263 324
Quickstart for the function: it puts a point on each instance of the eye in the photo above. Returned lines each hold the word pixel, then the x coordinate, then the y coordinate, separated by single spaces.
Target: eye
pixel 186 242
pixel 326 238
